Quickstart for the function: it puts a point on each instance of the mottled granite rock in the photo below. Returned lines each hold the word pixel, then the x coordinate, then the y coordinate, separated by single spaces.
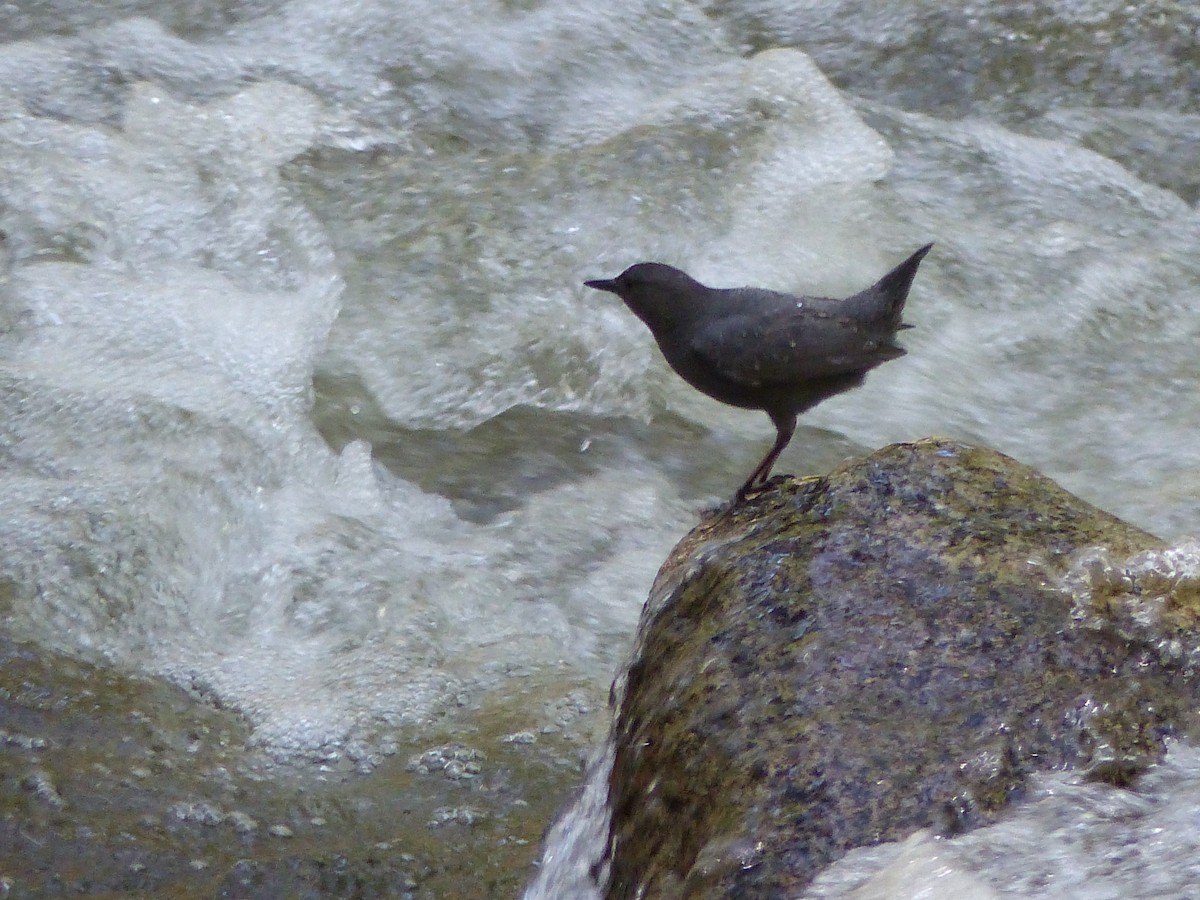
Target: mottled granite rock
pixel 843 660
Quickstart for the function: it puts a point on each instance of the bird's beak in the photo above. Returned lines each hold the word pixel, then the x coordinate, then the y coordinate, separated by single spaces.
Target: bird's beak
pixel 603 284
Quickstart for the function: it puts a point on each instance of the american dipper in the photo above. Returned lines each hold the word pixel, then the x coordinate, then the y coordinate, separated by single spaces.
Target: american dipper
pixel 760 349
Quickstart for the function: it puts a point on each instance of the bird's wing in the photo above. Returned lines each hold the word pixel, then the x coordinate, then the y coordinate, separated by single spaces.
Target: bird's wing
pixel 789 345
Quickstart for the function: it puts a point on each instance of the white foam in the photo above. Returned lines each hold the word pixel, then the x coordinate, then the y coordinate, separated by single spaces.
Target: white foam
pixel 1071 840
pixel 170 505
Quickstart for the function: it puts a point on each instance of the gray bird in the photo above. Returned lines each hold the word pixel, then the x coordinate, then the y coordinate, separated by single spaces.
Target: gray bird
pixel 760 349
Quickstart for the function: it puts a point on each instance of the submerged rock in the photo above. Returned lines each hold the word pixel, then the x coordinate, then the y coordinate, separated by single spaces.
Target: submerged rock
pixel 120 785
pixel 844 660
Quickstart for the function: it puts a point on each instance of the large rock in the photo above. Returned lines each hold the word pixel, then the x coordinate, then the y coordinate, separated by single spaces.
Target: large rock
pixel 843 660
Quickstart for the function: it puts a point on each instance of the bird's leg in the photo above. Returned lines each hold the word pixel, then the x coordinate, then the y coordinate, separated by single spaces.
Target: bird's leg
pixel 785 426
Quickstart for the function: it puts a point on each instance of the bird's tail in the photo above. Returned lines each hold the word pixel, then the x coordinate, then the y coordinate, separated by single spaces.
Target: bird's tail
pixel 882 304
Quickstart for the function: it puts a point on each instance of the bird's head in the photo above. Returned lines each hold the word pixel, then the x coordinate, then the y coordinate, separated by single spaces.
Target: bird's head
pixel 658 294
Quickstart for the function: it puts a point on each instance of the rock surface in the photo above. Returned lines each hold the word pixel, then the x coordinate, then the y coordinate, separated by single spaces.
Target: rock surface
pixel 843 660
pixel 123 786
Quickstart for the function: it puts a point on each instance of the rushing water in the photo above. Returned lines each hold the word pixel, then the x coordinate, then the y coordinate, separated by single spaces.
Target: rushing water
pixel 302 402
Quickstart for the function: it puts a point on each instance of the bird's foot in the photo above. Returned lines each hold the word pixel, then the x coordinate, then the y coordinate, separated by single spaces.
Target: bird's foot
pixel 756 489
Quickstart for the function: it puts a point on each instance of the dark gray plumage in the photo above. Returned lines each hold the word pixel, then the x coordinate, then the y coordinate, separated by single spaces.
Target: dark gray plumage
pixel 767 350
